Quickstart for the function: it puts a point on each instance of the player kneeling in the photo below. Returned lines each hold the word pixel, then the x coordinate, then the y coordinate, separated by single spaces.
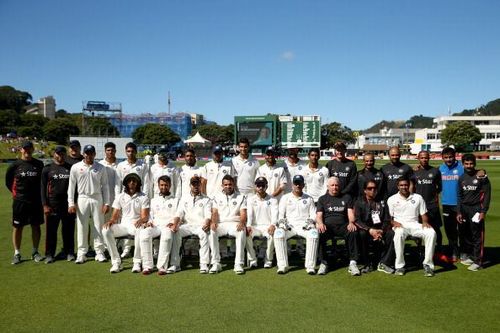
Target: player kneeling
pixel 262 214
pixel 229 218
pixel 297 213
pixel 133 206
pixel 162 223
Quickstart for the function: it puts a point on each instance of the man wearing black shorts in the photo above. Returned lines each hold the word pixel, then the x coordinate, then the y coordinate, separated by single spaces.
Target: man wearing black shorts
pixel 23 181
pixel 55 180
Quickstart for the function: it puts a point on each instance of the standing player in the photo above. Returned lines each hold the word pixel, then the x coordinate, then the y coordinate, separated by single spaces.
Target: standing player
pixel 394 170
pixel 374 227
pixel 427 181
pixel 188 171
pixel 405 209
pixel 315 176
pixel 297 211
pixel 474 195
pixel 262 218
pixel 164 167
pixel 23 181
pixel 274 174
pixel 193 217
pixel 90 180
pixel 215 170
pixel 246 168
pixel 451 170
pixel 55 181
pixel 229 218
pixel 161 223
pixel 133 207
pixel 75 154
pixel 369 172
pixel 344 169
pixel 335 217
pixel 109 162
pixel 293 166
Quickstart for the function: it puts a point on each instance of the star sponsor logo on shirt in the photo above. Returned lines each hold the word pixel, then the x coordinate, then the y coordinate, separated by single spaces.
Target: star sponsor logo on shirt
pixel 23 174
pixel 330 209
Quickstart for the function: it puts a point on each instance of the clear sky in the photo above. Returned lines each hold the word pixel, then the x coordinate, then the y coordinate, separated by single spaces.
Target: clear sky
pixel 354 62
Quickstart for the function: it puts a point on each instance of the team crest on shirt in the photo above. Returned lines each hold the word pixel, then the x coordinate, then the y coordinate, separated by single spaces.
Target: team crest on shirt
pixel 474 181
pixel 224 171
pixel 304 202
pixel 343 203
pixel 347 168
pixel 320 174
pixel 431 175
pixel 300 168
pixel 455 171
pixel 400 170
pixel 234 203
pixel 138 169
pixel 412 202
pixel 201 205
pixel 249 163
pixel 275 175
pixel 269 203
pixel 94 170
pixel 169 205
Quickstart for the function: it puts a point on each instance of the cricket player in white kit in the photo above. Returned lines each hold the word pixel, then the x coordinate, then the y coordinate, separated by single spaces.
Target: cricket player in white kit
pixel 161 168
pixel 109 162
pixel 274 174
pixel 229 218
pixel 194 212
pixel 133 207
pixel 188 171
pixel 90 180
pixel 215 170
pixel 299 211
pixel 315 176
pixel 246 168
pixel 262 218
pixel 405 209
pixel 293 166
pixel 161 223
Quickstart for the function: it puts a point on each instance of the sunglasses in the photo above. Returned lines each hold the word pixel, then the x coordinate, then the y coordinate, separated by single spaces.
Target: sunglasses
pixel 370 188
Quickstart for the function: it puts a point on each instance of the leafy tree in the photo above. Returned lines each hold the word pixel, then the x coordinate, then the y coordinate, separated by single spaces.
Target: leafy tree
pixel 461 134
pixel 9 120
pixel 217 134
pixel 99 126
pixel 12 99
pixel 492 108
pixel 31 125
pixel 60 129
pixel 333 132
pixel 420 121
pixel 155 134
pixel 61 113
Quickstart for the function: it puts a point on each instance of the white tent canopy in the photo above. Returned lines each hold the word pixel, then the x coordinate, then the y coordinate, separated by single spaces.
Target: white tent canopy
pixel 197 138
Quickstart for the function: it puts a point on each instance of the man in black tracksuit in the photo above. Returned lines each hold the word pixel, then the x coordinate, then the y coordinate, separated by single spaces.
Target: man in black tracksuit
pixel 369 172
pixel 393 171
pixel 428 183
pixel 55 180
pixel 474 196
pixel 374 227
pixel 344 169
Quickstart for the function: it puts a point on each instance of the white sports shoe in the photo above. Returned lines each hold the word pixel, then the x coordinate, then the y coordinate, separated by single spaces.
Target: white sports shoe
pixel 115 268
pixel 310 271
pixel 216 268
pixel 173 269
pixel 253 264
pixel 100 257
pixel 282 270
pixel 81 259
pixel 136 268
pixel 203 268
pixel 268 264
pixel 125 253
pixel 323 269
pixel 238 269
pixel 354 270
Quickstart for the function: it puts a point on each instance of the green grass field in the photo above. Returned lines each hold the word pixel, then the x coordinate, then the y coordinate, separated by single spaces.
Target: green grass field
pixel 35 297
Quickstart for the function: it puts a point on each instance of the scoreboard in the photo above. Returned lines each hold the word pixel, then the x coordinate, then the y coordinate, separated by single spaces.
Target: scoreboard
pixel 300 131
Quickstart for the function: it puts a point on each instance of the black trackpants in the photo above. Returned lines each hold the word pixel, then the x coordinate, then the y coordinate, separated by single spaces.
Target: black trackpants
pixel 67 231
pixel 332 230
pixel 473 234
pixel 451 227
pixel 435 221
pixel 383 250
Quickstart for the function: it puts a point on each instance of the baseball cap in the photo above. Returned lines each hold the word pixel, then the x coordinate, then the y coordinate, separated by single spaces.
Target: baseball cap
pixel 261 181
pixel 195 180
pixel 74 143
pixel 89 149
pixel 218 149
pixel 60 150
pixel 27 144
pixel 298 179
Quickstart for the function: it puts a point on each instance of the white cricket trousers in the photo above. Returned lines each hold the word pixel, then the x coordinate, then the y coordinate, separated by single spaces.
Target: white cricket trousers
pixel 89 207
pixel 125 228
pixel 260 231
pixel 167 244
pixel 312 240
pixel 205 238
pixel 428 235
pixel 229 229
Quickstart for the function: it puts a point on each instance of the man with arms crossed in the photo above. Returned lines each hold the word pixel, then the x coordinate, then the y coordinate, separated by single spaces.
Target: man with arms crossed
pixel 405 209
pixel 90 180
pixel 133 207
pixel 246 168
pixel 274 174
pixel 394 170
pixel 344 169
pixel 335 217
pixel 299 212
pixel 315 176
pixel 369 172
